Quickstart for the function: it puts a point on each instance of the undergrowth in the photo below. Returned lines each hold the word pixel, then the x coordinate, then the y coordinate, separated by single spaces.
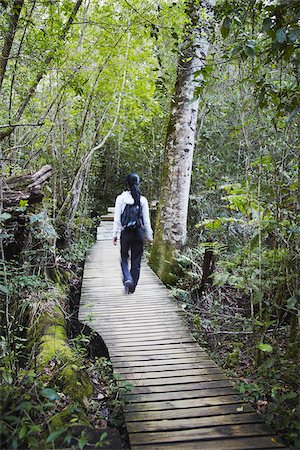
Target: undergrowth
pixel 256 354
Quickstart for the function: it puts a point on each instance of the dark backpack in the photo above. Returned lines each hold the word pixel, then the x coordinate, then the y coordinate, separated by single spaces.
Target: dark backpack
pixel 131 217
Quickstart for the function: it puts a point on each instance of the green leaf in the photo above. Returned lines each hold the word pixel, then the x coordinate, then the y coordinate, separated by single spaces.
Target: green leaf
pixel 265 347
pixel 3 289
pixel 249 50
pixel 24 406
pixel 292 115
pixel 5 216
pixel 36 218
pixel 68 438
pixel 82 442
pixel 294 34
pixel 102 439
pixel 292 303
pixel 23 203
pixel 225 27
pixel 23 432
pixel 267 24
pixel 280 36
pixel 5 235
pixel 12 419
pixel 33 442
pixel 50 230
pixel 50 394
pixel 55 435
pixel 35 429
pixel 226 23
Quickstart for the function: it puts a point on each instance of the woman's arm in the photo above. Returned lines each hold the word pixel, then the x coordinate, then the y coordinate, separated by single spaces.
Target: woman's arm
pixel 146 219
pixel 117 219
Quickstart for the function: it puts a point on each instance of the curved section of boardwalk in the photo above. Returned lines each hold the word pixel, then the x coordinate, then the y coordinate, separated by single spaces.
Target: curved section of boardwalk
pixel 181 399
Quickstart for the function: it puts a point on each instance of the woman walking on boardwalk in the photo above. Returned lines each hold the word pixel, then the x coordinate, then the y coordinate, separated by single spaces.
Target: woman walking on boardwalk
pixel 132 222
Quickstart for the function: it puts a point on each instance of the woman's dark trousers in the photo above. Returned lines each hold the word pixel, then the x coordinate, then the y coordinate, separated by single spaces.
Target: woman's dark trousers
pixel 133 241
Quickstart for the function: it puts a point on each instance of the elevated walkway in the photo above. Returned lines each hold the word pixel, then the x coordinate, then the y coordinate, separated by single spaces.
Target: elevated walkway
pixel 180 400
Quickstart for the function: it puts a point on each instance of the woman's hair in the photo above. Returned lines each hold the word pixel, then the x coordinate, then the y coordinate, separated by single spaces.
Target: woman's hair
pixel 132 181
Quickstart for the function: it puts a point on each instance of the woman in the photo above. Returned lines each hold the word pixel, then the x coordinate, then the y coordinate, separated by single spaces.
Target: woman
pixel 132 220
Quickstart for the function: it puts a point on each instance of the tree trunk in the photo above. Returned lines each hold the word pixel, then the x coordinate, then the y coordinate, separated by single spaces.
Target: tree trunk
pixel 13 22
pixel 171 225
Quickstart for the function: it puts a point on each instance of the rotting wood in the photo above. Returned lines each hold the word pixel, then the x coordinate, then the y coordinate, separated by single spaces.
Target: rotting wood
pixel 25 187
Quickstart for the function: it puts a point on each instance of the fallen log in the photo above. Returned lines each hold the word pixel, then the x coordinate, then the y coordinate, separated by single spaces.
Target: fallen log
pixel 16 189
pixel 25 187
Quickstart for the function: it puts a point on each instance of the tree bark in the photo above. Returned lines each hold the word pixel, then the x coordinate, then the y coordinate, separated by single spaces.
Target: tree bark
pixel 171 226
pixel 13 23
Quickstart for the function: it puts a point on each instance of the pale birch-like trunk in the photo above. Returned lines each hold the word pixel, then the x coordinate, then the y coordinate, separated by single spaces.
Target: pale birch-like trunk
pixel 171 223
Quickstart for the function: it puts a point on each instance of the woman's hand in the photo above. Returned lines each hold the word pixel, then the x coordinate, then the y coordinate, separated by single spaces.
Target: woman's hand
pixel 115 240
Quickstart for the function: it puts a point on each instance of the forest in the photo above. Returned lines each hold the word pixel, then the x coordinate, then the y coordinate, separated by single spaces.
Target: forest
pixel 201 99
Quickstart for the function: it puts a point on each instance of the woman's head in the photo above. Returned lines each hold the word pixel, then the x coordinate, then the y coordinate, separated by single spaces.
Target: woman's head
pixel 132 181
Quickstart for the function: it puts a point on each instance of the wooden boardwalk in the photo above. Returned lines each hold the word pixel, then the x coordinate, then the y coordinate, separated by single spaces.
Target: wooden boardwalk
pixel 181 399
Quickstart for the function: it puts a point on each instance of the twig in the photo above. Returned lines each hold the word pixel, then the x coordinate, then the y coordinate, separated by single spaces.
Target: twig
pixel 229 332
pixel 22 125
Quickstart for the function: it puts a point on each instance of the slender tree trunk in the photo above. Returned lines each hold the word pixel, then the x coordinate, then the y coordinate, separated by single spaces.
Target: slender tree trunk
pixel 13 23
pixel 171 226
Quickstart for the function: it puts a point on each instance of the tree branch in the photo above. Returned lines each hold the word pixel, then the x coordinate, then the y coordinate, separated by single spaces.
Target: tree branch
pixel 14 125
pixel 41 74
pixel 87 158
pixel 13 22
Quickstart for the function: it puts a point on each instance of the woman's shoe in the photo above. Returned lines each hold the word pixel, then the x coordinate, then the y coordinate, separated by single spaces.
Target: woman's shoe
pixel 128 284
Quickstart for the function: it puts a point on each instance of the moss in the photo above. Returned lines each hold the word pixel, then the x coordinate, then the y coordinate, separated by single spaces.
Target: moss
pixel 52 342
pixel 54 345
pixel 45 321
pixel 60 419
pixel 76 383
pixel 163 261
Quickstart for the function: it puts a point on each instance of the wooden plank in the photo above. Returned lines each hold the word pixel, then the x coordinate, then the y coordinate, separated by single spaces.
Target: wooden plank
pixel 187 403
pixel 125 315
pixel 176 380
pixel 162 364
pixel 179 395
pixel 172 348
pixel 121 312
pixel 210 385
pixel 145 338
pixel 217 432
pixel 190 423
pixel 139 322
pixel 244 443
pixel 133 354
pixel 206 411
pixel 146 342
pixel 124 332
pixel 170 373
pixel 131 330
pixel 149 351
